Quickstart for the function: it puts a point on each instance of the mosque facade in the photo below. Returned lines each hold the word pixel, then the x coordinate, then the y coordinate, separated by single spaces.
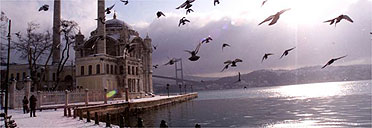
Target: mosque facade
pixel 103 60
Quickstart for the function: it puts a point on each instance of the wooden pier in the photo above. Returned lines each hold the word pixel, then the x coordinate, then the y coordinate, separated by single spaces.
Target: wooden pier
pixel 126 108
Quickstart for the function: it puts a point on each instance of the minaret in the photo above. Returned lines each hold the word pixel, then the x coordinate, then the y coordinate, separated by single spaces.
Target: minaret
pixel 56 32
pixel 148 64
pixel 101 28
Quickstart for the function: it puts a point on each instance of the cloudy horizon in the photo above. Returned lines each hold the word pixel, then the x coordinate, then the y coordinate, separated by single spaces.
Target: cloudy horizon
pixel 232 22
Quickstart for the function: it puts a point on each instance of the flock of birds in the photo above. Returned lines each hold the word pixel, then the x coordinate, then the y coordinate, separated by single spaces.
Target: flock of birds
pixel 229 63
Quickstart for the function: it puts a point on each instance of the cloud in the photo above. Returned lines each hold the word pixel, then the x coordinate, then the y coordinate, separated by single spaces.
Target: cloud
pixel 315 44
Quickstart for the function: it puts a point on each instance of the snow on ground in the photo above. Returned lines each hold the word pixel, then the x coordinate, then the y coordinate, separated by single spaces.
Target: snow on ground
pixel 51 118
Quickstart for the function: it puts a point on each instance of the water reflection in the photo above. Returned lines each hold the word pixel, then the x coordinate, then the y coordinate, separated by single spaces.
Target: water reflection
pixel 311 90
pixel 337 104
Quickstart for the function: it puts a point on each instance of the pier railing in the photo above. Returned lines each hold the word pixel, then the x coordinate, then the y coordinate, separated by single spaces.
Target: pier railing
pixel 55 98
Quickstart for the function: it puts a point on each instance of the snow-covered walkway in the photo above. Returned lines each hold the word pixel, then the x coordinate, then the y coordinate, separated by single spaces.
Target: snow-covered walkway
pixel 55 119
pixel 50 119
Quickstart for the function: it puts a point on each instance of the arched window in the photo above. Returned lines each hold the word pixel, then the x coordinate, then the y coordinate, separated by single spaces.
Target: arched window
pixel 90 70
pixel 24 75
pixel 17 77
pixel 136 70
pixel 98 69
pixel 82 70
pixel 112 69
pixel 132 70
pixel 107 68
pixel 128 70
pixel 121 70
pixel 116 69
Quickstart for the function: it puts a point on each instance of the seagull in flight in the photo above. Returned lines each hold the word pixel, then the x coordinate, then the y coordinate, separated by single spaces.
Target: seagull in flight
pixel 266 56
pixel 108 10
pixel 189 11
pixel 155 66
pixel 216 2
pixel 45 7
pixel 263 2
pixel 231 62
pixel 225 45
pixel 155 46
pixel 338 19
pixel 183 21
pixel 207 40
pixel 285 53
pixel 128 48
pixel 171 61
pixel 18 34
pixel 333 60
pixel 159 14
pixel 125 2
pixel 194 57
pixel 186 4
pixel 102 20
pixel 274 18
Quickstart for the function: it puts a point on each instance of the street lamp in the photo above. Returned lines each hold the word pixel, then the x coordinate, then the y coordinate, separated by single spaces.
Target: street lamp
pixel 7 73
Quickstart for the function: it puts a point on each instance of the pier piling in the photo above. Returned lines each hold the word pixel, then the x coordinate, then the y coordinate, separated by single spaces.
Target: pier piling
pixel 69 112
pixel 108 120
pixel 96 118
pixel 88 116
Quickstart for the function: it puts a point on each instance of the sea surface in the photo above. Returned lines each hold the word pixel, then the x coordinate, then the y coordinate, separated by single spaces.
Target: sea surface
pixel 332 104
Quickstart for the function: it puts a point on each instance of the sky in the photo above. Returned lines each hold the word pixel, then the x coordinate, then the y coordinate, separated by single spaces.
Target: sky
pixel 232 21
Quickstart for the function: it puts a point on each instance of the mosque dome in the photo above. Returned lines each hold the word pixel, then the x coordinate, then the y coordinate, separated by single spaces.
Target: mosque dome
pixel 117 23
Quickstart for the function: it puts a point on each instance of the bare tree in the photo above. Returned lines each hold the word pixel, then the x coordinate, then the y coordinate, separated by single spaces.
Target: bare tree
pixel 68 30
pixel 33 46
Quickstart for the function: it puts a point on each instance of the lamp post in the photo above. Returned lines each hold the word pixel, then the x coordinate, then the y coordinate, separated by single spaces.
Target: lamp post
pixel 7 73
pixel 168 89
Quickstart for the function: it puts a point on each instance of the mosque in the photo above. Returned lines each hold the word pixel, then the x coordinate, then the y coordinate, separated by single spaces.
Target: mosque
pixel 101 61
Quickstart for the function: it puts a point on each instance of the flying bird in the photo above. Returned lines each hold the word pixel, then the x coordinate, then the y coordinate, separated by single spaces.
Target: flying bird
pixel 45 7
pixel 226 67
pixel 159 14
pixel 266 56
pixel 18 34
pixel 285 53
pixel 338 19
pixel 333 60
pixel 216 2
pixel 171 61
pixel 274 18
pixel 186 4
pixel 128 48
pixel 189 11
pixel 155 46
pixel 183 21
pixel 263 2
pixel 225 45
pixel 102 20
pixel 207 40
pixel 194 57
pixel 231 62
pixel 125 2
pixel 155 66
pixel 108 10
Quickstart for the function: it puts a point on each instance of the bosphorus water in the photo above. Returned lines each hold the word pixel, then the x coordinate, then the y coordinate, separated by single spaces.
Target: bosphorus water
pixel 332 104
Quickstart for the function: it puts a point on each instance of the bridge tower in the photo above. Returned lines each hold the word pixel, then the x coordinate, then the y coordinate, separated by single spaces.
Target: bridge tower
pixel 179 71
